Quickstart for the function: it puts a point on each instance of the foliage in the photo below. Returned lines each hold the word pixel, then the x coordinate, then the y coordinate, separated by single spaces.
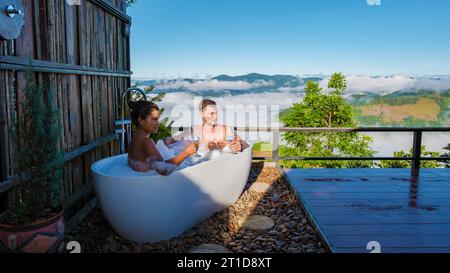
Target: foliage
pixel 39 160
pixel 408 163
pixel 446 162
pixel 129 3
pixel 322 109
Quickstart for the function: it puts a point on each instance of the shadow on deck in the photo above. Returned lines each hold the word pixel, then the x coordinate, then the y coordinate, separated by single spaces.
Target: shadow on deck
pixel 356 208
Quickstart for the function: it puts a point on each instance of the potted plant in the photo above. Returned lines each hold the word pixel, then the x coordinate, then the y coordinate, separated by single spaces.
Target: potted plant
pixel 37 210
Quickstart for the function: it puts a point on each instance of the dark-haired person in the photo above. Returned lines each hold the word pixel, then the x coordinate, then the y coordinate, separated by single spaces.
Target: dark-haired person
pixel 142 151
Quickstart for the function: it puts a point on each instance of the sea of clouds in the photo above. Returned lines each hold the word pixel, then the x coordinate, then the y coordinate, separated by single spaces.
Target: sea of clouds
pixel 274 100
pixel 249 109
pixel 385 85
pixel 211 85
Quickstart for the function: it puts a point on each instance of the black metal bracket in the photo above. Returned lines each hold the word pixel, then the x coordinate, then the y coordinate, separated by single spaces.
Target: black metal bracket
pixel 12 19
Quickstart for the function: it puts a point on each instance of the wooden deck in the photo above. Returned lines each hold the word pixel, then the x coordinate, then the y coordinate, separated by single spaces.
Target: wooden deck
pixel 352 207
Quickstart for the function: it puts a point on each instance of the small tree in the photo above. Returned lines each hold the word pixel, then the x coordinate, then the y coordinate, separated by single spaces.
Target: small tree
pixel 322 109
pixel 39 160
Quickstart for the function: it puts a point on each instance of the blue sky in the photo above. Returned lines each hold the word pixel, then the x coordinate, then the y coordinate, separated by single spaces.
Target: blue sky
pixel 197 38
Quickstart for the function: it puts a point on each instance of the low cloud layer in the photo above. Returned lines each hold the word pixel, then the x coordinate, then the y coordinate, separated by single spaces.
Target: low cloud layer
pixel 242 110
pixel 211 85
pixel 355 84
pixel 282 99
pixel 362 83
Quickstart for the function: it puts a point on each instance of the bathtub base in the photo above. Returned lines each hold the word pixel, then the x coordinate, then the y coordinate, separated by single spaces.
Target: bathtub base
pixel 147 207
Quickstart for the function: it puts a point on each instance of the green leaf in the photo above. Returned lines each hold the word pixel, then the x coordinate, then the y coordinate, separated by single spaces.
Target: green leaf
pixel 320 109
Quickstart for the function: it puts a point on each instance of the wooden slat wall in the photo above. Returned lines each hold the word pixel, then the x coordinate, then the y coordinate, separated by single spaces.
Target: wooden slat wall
pixel 85 35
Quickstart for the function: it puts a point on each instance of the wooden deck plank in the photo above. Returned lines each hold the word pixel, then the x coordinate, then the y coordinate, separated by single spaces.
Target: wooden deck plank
pixel 374 195
pixel 393 210
pixel 331 177
pixel 351 207
pixel 361 201
pixel 403 241
pixel 396 250
pixel 387 229
pixel 365 188
pixel 374 218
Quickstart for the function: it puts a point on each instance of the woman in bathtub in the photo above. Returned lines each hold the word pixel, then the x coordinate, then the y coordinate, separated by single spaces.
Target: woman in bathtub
pixel 212 135
pixel 143 153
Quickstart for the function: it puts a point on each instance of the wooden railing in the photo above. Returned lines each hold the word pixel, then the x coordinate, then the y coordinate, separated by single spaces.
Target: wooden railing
pixel 417 142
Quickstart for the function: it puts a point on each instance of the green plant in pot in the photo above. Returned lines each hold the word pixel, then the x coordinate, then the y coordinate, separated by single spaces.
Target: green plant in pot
pixel 36 211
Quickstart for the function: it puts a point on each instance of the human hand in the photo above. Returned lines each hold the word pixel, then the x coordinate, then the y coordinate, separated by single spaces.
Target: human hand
pixel 168 141
pixel 221 144
pixel 236 146
pixel 191 149
pixel 212 146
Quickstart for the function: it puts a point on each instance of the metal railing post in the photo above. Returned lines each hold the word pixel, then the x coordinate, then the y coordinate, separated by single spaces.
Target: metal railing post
pixel 276 146
pixel 417 147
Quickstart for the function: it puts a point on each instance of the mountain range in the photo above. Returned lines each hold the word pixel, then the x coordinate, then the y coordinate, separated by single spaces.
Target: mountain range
pixel 258 83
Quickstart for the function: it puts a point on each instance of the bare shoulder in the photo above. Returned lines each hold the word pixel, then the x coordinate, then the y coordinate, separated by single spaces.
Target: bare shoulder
pixel 149 148
pixel 148 142
pixel 142 142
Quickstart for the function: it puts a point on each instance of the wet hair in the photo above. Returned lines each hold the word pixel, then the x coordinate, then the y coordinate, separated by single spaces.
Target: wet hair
pixel 205 103
pixel 141 109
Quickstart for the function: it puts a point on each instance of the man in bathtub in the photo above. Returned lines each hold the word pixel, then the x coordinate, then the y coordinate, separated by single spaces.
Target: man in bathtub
pixel 212 136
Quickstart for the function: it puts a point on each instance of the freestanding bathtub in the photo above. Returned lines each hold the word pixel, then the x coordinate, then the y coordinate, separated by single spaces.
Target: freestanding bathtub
pixel 147 207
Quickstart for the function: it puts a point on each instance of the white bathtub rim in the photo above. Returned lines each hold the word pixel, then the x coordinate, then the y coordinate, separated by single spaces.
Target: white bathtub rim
pixel 153 173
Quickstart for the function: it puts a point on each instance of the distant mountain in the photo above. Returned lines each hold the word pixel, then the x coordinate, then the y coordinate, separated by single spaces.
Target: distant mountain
pixel 231 85
pixel 259 83
pixel 278 80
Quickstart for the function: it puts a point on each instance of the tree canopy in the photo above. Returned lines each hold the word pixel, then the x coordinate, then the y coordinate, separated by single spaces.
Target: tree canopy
pixel 324 108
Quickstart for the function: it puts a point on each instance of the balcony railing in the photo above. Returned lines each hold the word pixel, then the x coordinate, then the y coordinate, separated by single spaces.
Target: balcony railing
pixel 417 142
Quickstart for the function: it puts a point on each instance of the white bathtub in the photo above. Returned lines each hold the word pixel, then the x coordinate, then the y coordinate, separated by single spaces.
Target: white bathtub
pixel 147 207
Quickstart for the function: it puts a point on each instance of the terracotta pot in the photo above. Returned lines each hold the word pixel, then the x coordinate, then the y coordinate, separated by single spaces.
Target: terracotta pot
pixel 13 237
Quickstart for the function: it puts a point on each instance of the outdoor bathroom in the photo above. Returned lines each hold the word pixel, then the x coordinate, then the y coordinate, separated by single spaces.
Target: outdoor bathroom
pixel 112 142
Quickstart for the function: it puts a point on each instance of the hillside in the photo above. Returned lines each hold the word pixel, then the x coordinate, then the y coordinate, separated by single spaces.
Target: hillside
pixel 424 108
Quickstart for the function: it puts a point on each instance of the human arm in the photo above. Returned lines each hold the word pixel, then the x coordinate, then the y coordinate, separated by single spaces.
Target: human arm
pixel 150 150
pixel 153 155
pixel 190 150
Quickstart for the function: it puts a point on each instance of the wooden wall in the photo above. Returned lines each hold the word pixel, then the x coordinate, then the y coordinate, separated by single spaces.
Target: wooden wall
pixel 82 54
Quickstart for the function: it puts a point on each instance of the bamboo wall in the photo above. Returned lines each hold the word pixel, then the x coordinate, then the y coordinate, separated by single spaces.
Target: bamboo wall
pixel 82 54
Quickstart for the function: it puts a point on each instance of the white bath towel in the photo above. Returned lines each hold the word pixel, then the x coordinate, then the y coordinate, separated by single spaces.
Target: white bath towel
pixel 163 167
pixel 166 152
pixel 172 150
